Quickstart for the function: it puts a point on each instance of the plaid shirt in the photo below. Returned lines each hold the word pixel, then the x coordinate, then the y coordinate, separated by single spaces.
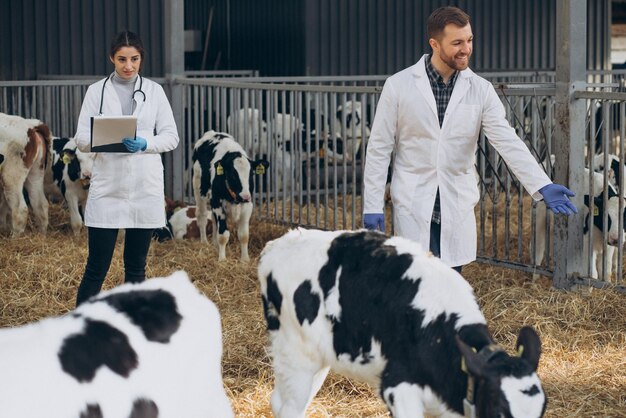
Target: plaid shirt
pixel 442 93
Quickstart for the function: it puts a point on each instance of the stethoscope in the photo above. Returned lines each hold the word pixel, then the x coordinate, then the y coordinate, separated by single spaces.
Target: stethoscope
pixel 139 90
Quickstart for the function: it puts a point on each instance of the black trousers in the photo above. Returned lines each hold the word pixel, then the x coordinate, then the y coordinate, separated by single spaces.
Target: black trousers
pixel 435 242
pixel 101 247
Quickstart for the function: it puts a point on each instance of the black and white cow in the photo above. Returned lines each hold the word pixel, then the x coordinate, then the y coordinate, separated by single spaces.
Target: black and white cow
pixel 70 175
pixel 351 127
pixel 386 312
pixel 140 350
pixel 223 180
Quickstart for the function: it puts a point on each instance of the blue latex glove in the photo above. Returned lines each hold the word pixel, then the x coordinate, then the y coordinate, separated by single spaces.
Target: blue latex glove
pixel 135 144
pixel 556 198
pixel 373 221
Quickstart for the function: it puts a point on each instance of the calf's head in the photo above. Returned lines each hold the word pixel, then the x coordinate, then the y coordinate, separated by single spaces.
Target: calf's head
pixel 613 214
pixel 506 386
pixel 79 165
pixel 235 173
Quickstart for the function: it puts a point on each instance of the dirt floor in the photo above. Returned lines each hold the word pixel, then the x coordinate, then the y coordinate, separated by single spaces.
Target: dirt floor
pixel 583 367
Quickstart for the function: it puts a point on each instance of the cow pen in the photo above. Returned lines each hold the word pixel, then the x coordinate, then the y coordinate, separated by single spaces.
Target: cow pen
pixel 582 332
pixel 316 153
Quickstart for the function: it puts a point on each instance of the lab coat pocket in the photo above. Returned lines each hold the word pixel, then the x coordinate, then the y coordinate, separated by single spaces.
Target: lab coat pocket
pixel 404 189
pixel 466 186
pixel 465 122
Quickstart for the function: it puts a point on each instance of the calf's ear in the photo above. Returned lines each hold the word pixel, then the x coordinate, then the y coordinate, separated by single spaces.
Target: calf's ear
pixel 472 363
pixel 259 166
pixel 529 346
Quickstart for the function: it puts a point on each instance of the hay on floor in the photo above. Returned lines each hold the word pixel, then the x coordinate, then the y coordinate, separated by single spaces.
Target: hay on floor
pixel 583 367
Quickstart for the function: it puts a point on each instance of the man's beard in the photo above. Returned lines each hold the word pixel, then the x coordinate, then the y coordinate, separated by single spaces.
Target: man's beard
pixel 452 63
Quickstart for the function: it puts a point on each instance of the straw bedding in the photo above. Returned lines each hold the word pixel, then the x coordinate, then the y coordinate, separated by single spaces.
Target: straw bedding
pixel 583 367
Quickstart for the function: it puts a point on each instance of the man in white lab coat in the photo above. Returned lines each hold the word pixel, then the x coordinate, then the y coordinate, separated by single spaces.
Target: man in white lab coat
pixel 431 114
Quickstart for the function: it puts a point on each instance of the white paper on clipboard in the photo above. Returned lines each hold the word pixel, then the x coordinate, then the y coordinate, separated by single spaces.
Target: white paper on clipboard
pixel 107 132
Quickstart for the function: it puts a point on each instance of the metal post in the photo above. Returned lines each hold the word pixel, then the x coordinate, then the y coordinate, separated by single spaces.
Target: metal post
pixel 571 70
pixel 174 54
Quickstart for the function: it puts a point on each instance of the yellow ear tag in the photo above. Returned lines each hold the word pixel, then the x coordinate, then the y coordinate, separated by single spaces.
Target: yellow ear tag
pixel 219 170
pixel 321 152
pixel 463 365
pixel 66 159
pixel 596 211
pixel 260 169
pixel 520 350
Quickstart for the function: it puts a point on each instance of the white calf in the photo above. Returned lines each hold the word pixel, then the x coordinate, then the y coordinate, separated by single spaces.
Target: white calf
pixel 248 126
pixel 140 350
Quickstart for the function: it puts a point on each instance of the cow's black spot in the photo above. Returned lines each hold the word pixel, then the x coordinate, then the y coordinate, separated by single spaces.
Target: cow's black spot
pixel 306 303
pixel 376 304
pixel 58 144
pixel 598 219
pixel 57 171
pixel 272 303
pixel 204 155
pixel 532 391
pixel 144 408
pixel 92 411
pixel 73 168
pixel 98 345
pixel 154 311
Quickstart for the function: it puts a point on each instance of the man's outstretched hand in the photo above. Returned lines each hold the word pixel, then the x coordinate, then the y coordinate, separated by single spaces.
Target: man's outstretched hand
pixel 556 198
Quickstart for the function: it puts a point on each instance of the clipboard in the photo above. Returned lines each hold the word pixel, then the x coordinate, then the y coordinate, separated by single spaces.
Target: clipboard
pixel 107 132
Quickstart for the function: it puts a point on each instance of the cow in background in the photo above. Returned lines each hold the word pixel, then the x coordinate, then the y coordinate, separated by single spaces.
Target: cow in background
pixel 593 222
pixel 248 126
pixel 351 128
pixel 139 350
pixel 223 180
pixel 70 177
pixel 182 222
pixel 25 145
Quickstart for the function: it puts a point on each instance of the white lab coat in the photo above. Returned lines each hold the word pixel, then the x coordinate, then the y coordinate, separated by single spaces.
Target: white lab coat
pixel 127 189
pixel 428 157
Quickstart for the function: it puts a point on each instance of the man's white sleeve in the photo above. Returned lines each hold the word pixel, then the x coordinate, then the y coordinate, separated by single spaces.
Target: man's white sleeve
pixel 379 149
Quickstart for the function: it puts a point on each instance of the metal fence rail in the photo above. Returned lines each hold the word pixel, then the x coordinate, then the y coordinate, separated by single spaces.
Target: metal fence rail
pixel 314 135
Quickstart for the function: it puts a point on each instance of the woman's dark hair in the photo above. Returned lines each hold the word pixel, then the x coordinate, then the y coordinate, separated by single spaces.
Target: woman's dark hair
pixel 443 16
pixel 126 38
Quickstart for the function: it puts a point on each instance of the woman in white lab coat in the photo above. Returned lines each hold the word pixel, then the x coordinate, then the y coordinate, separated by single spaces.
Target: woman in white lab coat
pixel 436 152
pixel 127 188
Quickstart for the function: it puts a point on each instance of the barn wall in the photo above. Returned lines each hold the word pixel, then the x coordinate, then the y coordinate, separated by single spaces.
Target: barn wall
pixel 72 37
pixel 263 35
pixel 282 37
pixel 384 36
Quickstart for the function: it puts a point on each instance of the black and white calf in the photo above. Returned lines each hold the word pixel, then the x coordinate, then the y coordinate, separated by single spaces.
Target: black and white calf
pixel 140 350
pixel 223 179
pixel 71 174
pixel 384 311
pixel 594 225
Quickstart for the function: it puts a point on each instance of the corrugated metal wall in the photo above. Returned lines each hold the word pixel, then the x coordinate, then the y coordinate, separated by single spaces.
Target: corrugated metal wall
pixel 283 37
pixel 384 36
pixel 250 34
pixel 73 36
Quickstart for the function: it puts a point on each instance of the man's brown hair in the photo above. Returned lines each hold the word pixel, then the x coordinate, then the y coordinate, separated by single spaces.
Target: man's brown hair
pixel 443 16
